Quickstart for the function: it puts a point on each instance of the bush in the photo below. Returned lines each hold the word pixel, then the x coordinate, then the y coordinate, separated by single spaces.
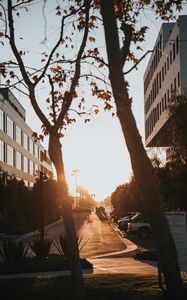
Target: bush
pixel 13 250
pixel 41 248
pixel 62 245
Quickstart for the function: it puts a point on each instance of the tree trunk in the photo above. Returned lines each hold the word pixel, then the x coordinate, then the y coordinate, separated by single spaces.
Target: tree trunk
pixel 141 164
pixel 55 152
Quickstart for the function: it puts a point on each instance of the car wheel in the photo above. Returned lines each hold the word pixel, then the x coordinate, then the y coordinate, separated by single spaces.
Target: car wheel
pixel 143 233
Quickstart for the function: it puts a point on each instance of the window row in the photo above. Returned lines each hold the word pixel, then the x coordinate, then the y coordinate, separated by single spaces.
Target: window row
pixel 14 131
pixel 157 84
pixel 170 58
pixel 16 159
pixel 161 106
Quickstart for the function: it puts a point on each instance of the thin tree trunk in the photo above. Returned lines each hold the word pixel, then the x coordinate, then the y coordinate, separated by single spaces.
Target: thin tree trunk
pixel 141 164
pixel 41 208
pixel 55 153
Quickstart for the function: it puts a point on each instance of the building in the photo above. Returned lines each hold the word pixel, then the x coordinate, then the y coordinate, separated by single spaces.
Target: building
pixel 20 156
pixel 165 76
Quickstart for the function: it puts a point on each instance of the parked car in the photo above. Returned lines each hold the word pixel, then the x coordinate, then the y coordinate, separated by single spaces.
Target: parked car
pixel 139 226
pixel 123 222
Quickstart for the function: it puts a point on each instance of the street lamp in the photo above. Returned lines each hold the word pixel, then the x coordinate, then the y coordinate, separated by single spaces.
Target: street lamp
pixel 74 173
pixel 42 177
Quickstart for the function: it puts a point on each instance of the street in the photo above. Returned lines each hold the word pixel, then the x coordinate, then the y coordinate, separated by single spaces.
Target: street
pixel 102 245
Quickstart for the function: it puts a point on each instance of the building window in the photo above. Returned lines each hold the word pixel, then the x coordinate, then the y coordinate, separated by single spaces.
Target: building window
pixel 36 150
pixel 1 150
pixel 170 56
pixel 36 168
pixel 168 95
pixel 167 63
pixel 31 146
pixel 18 160
pixel 162 104
pixel 173 51
pixel 156 86
pixel 9 127
pixel 31 167
pixel 177 45
pixel 163 73
pixel 175 85
pixel 160 80
pixel 160 45
pixel 10 155
pixel 165 101
pixel 171 90
pixel 18 135
pixel 25 164
pixel 178 77
pixel 25 141
pixel 1 120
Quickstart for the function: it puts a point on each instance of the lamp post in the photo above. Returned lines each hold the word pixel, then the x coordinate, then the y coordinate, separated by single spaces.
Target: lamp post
pixel 42 178
pixel 74 173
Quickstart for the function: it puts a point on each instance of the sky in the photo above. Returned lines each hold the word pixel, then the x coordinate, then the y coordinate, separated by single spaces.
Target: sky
pixel 97 149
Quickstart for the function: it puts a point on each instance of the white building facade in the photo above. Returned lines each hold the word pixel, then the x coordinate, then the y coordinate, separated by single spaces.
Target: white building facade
pixel 20 156
pixel 165 75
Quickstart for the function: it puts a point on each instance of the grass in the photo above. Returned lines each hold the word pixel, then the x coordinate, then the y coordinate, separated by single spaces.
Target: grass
pixel 98 287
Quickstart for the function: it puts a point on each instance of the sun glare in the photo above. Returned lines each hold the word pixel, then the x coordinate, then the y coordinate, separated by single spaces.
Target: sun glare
pixel 99 156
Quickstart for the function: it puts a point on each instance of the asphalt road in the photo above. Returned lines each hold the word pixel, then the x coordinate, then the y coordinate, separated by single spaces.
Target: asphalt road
pixel 96 237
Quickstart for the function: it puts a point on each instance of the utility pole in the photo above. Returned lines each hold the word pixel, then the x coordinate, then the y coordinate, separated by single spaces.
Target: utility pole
pixel 74 173
pixel 42 178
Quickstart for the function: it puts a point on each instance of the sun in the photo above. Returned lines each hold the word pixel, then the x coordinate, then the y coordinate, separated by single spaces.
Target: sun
pixel 98 153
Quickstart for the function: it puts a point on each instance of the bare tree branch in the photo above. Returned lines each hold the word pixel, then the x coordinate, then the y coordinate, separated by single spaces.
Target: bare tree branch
pixel 101 60
pixel 56 46
pixel 13 45
pixel 68 97
pixel 53 100
pixel 23 70
pixel 78 113
pixel 5 85
pixel 22 3
pixel 149 51
pixel 5 21
pixel 20 90
pixel 96 77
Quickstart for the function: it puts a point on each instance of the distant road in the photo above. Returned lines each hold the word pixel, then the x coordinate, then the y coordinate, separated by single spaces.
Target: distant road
pixel 98 237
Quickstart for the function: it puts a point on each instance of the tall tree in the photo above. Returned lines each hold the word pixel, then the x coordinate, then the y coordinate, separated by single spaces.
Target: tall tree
pixel 122 10
pixel 63 81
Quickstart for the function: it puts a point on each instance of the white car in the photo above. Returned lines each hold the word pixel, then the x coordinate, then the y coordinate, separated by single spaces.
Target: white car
pixel 123 222
pixel 140 226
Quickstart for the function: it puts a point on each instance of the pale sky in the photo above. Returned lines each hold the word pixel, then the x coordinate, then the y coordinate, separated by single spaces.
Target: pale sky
pixel 97 149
